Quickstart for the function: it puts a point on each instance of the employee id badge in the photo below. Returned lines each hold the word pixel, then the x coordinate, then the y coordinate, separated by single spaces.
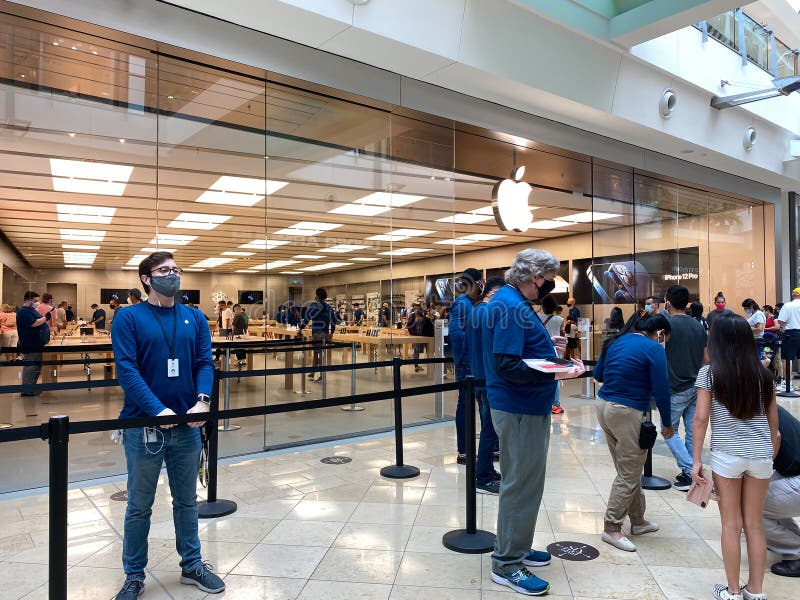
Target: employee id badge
pixel 172 367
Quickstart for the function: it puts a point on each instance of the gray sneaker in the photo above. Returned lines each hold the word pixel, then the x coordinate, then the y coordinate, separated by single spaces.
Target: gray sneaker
pixel 203 577
pixel 493 488
pixel 131 590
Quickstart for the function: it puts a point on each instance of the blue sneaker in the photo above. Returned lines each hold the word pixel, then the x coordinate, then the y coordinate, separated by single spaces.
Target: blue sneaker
pixel 537 558
pixel 523 581
pixel 203 577
pixel 131 590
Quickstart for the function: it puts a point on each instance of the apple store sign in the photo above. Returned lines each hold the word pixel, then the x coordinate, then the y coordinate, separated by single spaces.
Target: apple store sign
pixel 510 203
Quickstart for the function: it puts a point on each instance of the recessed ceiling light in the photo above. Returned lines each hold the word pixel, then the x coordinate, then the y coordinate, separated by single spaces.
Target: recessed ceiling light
pixel 474 216
pixel 365 259
pixel 277 264
pixel 404 251
pixel 82 235
pixel 78 213
pixel 122 140
pixel 307 228
pixel 211 262
pixel 79 247
pixel 172 239
pixel 342 248
pixel 151 250
pixel 359 210
pixel 376 203
pixel 55 43
pixel 190 270
pixel 71 134
pixel 264 244
pixel 77 266
pixel 76 258
pixel 246 271
pixel 547 224
pixel 397 235
pixel 470 239
pixel 83 177
pixel 136 259
pixel 236 253
pixel 129 268
pixel 291 272
pixel 308 256
pixel 323 266
pixel 587 217
pixel 240 191
pixel 198 221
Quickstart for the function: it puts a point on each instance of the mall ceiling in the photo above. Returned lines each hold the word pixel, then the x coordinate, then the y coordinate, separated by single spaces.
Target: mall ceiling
pixel 102 161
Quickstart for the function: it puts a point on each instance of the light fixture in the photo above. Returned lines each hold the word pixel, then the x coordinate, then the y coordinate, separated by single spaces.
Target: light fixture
pixel 470 239
pixel 667 103
pixel 587 217
pixel 197 221
pixel 749 139
pixel 136 259
pixel 376 203
pixel 404 251
pixel 323 266
pixel 78 213
pixel 264 244
pixel 172 239
pixel 277 264
pixel 365 259
pixel 82 258
pixel 477 215
pixel 307 228
pixel 82 235
pixel 77 266
pixel 240 191
pixel 246 271
pixel 83 177
pixel 308 256
pixel 547 224
pixel 79 247
pixel 397 235
pixel 291 272
pixel 236 253
pixel 191 270
pixel 151 250
pixel 343 248
pixel 211 262
pixel 783 86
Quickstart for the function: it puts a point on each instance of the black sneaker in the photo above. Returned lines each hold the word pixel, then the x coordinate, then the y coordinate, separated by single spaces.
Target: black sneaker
pixel 493 488
pixel 497 476
pixel 496 456
pixel 682 482
pixel 131 590
pixel 203 577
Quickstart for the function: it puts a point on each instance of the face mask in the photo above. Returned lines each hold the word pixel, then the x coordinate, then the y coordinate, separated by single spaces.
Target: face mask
pixel 648 308
pixel 168 285
pixel 546 287
pixel 748 311
pixel 720 305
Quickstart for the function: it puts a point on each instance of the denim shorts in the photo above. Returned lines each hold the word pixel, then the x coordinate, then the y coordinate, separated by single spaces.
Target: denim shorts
pixel 733 467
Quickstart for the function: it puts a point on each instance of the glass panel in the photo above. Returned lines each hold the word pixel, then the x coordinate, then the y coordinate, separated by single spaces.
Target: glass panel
pixel 787 60
pixel 723 28
pixel 756 41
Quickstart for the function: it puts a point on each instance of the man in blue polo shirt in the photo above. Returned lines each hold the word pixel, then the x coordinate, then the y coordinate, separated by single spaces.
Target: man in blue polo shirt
pixel 323 323
pixel 521 398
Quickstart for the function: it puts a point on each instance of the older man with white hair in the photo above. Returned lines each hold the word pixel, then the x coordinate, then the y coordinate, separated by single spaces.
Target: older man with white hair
pixel 521 398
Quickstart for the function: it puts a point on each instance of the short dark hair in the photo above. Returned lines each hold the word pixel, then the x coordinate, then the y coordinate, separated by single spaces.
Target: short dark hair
pixel 149 263
pixel 696 308
pixel 94 306
pixel 322 294
pixel 678 296
pixel 46 297
pixel 471 275
pixel 493 283
pixel 750 303
pixel 222 303
pixel 237 306
pixel 355 304
pixel 656 299
pixel 135 293
pixel 30 295
pixel 549 305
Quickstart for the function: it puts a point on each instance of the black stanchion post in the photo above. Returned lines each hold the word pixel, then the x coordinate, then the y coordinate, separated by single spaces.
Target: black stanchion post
pixel 470 540
pixel 58 432
pixel 398 470
pixel 213 507
pixel 787 382
pixel 650 481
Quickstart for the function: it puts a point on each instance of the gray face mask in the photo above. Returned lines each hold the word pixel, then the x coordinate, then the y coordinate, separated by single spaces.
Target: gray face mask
pixel 169 285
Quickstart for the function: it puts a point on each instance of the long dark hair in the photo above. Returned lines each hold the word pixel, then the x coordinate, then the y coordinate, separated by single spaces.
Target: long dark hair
pixel 616 320
pixel 641 322
pixel 740 382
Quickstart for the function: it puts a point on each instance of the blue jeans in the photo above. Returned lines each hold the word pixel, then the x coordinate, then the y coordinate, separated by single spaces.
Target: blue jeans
pixel 484 469
pixel 462 371
pixel 683 406
pixel 181 452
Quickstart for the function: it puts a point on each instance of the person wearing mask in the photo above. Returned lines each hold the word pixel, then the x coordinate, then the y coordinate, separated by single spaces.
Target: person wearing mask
pixel 359 316
pixel 633 369
pixel 782 505
pixel 615 321
pixel 98 317
pixel 323 323
pixel 696 312
pixel 46 309
pixel 735 391
pixel 789 321
pixel 487 480
pixel 385 315
pixel 163 354
pixel 571 329
pixel 8 331
pixel 755 317
pixel 521 399
pixel 34 334
pixel 770 326
pixel 653 304
pixel 134 296
pixel 70 314
pixel 554 326
pixel 719 309
pixel 239 325
pixel 685 349
pixel 471 287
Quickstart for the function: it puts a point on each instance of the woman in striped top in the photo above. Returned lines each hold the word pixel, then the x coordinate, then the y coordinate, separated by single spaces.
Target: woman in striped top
pixel 735 391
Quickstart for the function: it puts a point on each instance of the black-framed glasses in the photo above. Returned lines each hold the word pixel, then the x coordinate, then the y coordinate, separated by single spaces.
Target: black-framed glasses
pixel 168 270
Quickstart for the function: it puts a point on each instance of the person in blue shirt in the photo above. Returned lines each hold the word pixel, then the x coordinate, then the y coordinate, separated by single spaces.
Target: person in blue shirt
pixel 358 315
pixel 471 286
pixel 34 334
pixel 521 398
pixel 486 478
pixel 163 354
pixel 633 369
pixel 323 321
pixel 98 317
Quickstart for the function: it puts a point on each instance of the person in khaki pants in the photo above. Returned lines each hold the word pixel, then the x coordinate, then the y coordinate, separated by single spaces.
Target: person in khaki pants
pixel 632 368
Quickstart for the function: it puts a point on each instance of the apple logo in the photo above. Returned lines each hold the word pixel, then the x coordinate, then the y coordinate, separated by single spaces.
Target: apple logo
pixel 510 203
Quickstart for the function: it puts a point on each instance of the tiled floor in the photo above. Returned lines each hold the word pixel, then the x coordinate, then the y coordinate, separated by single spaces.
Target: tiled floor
pixel 309 530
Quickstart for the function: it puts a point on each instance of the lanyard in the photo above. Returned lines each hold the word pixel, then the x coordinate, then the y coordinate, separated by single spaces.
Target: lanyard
pixel 170 342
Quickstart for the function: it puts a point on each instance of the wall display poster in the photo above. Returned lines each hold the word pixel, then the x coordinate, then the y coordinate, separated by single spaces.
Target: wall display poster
pixel 561 291
pixel 631 278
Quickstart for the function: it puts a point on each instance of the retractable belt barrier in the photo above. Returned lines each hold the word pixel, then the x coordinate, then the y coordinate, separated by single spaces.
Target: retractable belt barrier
pixel 58 429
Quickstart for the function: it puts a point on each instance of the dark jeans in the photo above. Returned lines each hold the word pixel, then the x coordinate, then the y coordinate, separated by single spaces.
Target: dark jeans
pixel 487 444
pixel 462 371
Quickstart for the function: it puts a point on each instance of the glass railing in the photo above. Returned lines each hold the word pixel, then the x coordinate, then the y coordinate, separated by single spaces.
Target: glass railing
pixel 740 32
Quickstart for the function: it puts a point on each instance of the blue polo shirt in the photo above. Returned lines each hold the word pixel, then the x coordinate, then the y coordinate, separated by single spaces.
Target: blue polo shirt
pixel 510 326
pixel 459 314
pixel 474 337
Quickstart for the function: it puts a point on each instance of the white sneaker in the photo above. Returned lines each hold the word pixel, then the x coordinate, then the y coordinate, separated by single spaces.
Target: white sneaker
pixel 781 387
pixel 642 529
pixel 721 593
pixel 748 596
pixel 622 543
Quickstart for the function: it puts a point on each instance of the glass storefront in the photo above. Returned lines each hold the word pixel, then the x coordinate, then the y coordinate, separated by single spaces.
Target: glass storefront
pixel 266 188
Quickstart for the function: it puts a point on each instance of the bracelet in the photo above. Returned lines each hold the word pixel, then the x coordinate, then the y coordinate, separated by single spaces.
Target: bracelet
pixel 204 398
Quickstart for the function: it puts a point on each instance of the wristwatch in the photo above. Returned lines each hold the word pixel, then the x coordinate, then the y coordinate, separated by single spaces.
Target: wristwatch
pixel 204 398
